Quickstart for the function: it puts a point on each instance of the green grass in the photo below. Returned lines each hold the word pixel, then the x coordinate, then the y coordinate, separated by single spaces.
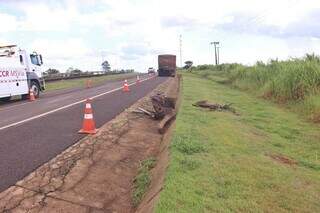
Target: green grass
pixel 142 180
pixel 81 82
pixel 294 82
pixel 220 162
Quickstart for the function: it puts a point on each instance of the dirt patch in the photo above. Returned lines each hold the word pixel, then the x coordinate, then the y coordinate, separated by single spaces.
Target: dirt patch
pixel 96 174
pixel 282 159
pixel 315 117
pixel 158 175
pixel 158 172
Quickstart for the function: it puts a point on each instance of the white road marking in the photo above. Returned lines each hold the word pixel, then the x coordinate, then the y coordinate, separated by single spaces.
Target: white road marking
pixel 65 107
pixel 28 102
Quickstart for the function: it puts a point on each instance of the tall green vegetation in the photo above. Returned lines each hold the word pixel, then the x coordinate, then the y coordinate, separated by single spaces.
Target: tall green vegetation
pixel 294 81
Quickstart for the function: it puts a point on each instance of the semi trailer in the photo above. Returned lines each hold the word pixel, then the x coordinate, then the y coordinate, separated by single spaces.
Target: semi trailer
pixel 20 72
pixel 167 65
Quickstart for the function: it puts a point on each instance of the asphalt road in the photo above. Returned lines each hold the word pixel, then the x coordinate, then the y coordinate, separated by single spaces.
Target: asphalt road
pixel 32 133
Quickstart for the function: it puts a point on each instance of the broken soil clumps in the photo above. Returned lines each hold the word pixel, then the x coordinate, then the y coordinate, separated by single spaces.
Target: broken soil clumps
pixel 164 106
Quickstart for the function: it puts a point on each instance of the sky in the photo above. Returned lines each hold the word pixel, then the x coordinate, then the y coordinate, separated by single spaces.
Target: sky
pixel 129 34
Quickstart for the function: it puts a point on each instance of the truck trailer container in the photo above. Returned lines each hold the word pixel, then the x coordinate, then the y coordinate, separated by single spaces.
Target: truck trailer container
pixel 167 65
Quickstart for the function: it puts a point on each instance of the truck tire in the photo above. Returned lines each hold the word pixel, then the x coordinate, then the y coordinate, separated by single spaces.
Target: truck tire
pixel 35 88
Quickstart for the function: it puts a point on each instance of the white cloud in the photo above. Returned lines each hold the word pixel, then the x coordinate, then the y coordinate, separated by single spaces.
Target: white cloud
pixel 65 53
pixel 68 48
pixel 7 23
pixel 3 42
pixel 142 29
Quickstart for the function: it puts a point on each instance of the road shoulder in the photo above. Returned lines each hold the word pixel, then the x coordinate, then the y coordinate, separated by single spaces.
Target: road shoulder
pixel 96 173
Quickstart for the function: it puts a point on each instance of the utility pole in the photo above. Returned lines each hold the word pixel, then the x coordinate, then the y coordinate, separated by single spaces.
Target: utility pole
pixel 180 44
pixel 215 43
pixel 218 53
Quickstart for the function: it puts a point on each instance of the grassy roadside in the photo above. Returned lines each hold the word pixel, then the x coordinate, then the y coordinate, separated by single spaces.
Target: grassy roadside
pixel 294 83
pixel 265 160
pixel 142 180
pixel 81 82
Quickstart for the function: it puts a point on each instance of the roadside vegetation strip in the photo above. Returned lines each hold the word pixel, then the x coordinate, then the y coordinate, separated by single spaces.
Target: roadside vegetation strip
pixel 295 82
pixel 142 180
pixel 265 158
pixel 81 82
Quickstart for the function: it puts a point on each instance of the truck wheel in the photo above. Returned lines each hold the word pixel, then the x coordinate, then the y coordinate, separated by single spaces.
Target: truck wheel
pixel 35 88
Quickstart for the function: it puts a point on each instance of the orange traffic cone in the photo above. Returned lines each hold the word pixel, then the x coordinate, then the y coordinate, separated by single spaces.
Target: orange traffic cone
pixel 88 125
pixel 31 95
pixel 138 80
pixel 88 83
pixel 125 86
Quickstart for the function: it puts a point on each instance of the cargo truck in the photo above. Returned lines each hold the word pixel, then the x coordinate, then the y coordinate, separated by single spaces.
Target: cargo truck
pixel 20 72
pixel 167 65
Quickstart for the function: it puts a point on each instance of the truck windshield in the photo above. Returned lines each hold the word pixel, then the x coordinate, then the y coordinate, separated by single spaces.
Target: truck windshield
pixel 34 59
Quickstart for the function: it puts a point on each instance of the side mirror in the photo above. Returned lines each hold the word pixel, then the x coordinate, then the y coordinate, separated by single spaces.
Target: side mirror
pixel 41 61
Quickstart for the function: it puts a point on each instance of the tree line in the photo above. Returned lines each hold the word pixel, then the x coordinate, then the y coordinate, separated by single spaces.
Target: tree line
pixel 71 71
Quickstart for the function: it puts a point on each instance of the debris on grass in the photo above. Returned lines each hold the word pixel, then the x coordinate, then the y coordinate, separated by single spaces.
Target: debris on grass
pixel 214 106
pixel 142 180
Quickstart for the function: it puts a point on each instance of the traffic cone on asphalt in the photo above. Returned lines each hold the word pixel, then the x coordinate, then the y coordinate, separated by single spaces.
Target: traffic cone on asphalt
pixel 31 95
pixel 138 80
pixel 88 83
pixel 125 86
pixel 88 125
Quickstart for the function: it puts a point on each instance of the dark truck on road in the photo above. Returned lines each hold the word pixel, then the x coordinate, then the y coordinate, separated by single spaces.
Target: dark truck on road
pixel 167 65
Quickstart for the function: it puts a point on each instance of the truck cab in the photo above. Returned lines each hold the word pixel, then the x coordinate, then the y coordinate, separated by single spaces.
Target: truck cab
pixel 20 72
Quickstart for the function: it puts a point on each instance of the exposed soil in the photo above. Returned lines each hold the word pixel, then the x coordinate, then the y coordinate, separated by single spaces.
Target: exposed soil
pixel 158 172
pixel 96 174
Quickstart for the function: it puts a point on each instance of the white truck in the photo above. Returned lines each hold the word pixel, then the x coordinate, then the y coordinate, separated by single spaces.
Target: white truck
pixel 20 72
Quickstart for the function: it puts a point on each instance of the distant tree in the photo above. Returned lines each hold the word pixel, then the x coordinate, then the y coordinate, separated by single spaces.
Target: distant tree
pixel 69 70
pixel 73 71
pixel 51 71
pixel 188 64
pixel 106 66
pixel 76 72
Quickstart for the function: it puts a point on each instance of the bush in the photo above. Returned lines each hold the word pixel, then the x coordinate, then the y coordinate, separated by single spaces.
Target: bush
pixel 188 146
pixel 290 80
pixel 293 82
